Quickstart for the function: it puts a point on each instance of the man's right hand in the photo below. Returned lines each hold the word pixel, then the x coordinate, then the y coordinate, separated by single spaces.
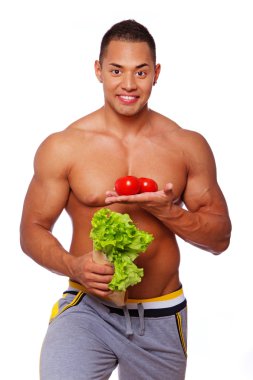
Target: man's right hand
pixel 94 277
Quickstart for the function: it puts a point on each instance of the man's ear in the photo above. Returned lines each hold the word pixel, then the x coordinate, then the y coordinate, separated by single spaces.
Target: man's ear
pixel 157 72
pixel 98 71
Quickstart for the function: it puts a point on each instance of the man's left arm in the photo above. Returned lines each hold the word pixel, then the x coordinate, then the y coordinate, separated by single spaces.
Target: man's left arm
pixel 205 222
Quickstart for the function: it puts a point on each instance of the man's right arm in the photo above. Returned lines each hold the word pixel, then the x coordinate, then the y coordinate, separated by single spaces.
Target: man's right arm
pixel 46 197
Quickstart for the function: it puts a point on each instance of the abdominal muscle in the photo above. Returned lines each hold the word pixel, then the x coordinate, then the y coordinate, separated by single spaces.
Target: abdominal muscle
pixel 160 261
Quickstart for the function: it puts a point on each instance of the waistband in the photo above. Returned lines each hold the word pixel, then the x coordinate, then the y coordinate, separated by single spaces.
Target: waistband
pixel 165 305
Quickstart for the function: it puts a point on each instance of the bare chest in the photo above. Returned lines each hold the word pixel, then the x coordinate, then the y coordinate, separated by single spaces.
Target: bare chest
pixel 96 167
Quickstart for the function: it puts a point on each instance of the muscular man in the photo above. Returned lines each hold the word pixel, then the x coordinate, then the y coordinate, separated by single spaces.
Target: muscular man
pixel 76 169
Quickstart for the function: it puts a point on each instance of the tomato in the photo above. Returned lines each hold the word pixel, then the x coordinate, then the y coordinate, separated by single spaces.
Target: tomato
pixel 147 185
pixel 128 185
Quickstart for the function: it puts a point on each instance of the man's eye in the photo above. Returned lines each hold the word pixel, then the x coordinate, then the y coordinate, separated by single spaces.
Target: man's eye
pixel 141 74
pixel 116 72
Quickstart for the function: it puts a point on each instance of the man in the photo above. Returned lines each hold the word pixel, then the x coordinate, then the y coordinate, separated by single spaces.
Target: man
pixel 76 169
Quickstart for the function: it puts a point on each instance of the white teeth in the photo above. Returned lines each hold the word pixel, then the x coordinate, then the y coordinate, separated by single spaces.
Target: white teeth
pixel 127 97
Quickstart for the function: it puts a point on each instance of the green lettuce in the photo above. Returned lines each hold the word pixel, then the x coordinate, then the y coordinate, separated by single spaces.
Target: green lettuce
pixel 121 241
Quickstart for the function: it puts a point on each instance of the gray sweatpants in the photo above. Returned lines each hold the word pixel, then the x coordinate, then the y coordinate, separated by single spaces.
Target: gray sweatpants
pixel 87 338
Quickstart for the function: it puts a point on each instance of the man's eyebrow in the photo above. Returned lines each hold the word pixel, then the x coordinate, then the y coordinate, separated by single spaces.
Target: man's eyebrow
pixel 120 67
pixel 142 65
pixel 116 65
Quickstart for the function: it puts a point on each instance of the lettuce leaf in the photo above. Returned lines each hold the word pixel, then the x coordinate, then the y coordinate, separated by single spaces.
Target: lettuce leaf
pixel 116 235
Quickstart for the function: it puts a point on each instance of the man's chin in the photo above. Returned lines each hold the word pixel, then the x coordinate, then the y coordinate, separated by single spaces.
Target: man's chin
pixel 130 111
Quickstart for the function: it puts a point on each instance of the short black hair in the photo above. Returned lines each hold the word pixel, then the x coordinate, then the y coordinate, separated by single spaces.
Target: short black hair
pixel 127 30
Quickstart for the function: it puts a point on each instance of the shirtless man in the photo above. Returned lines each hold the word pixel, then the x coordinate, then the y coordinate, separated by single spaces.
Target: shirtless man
pixel 76 170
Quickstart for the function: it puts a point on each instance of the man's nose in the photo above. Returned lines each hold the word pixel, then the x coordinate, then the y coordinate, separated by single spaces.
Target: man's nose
pixel 128 82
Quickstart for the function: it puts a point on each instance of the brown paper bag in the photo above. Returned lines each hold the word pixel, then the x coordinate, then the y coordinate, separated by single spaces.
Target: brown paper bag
pixel 119 298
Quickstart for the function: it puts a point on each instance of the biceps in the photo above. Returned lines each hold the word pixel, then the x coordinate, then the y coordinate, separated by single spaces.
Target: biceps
pixel 45 201
pixel 205 196
pixel 202 191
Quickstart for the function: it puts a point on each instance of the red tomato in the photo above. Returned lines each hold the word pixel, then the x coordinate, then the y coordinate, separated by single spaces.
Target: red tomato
pixel 147 185
pixel 128 185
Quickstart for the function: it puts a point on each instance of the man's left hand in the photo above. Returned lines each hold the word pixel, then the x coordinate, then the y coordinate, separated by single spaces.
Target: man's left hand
pixel 149 201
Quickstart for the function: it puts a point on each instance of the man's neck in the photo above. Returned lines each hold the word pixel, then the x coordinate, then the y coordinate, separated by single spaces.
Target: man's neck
pixel 122 125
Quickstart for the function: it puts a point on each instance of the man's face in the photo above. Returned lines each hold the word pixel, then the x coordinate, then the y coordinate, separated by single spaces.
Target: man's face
pixel 128 73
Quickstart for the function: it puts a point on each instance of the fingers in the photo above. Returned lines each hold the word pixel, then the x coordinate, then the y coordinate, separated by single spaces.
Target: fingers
pixel 99 289
pixel 111 193
pixel 98 284
pixel 101 293
pixel 97 281
pixel 102 270
pixel 138 198
pixel 92 278
pixel 113 197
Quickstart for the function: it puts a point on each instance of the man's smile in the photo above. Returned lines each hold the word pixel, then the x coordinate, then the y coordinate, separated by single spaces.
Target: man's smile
pixel 128 99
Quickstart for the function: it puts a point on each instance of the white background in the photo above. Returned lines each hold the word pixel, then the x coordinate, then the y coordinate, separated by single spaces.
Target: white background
pixel 47 81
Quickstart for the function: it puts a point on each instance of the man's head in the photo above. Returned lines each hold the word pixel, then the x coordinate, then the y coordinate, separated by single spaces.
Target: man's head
pixel 127 67
pixel 128 30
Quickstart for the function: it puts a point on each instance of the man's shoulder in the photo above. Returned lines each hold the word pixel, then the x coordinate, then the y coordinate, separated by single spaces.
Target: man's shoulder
pixel 56 141
pixel 57 151
pixel 87 123
pixel 192 143
pixel 190 136
pixel 163 122
pixel 176 131
pixel 72 133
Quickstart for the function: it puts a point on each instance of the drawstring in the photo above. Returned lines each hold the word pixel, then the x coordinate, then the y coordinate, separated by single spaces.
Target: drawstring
pixel 129 329
pixel 141 317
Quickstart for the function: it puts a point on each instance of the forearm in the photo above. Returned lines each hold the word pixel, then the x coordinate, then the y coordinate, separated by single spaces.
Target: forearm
pixel 39 243
pixel 206 230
